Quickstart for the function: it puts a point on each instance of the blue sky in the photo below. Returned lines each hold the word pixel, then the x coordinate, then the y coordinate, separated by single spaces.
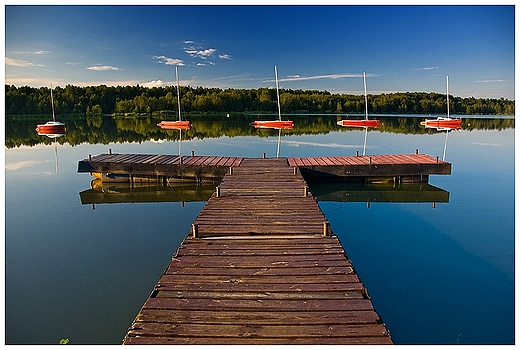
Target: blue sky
pixel 401 48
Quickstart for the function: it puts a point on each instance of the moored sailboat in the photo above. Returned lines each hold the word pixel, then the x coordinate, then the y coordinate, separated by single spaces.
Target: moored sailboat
pixel 274 124
pixel 52 128
pixel 361 123
pixel 176 124
pixel 444 122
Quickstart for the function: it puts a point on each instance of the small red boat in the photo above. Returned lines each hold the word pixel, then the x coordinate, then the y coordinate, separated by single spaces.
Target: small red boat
pixel 443 122
pixel 273 124
pixel 359 123
pixel 51 128
pixel 175 124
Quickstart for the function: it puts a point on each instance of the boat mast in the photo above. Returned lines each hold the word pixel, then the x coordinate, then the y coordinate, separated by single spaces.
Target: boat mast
pixel 447 96
pixel 178 92
pixel 277 94
pixel 52 105
pixel 366 98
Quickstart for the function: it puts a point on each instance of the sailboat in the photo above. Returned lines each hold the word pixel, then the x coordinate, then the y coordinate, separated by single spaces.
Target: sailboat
pixel 52 128
pixel 176 124
pixel 274 124
pixel 444 122
pixel 363 123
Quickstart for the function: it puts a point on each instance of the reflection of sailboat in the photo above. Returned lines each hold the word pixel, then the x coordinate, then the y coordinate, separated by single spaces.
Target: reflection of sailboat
pixel 446 140
pixel 176 124
pixel 444 122
pixel 52 128
pixel 274 124
pixel 363 123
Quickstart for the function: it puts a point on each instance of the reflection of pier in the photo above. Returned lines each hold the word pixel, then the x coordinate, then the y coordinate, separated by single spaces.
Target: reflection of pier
pixel 380 193
pixel 105 193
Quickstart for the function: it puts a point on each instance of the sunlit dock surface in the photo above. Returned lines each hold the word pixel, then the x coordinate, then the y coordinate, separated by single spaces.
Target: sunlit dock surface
pixel 152 167
pixel 261 265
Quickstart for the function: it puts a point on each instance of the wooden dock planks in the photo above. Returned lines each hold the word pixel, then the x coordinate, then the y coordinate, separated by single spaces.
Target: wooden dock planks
pixel 259 272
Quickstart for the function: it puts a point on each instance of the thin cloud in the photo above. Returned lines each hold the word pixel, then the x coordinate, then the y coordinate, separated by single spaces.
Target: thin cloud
pixel 189 42
pixel 169 61
pixel 224 57
pixel 41 52
pixel 492 81
pixel 317 144
pixel 427 68
pixel 326 76
pixel 20 63
pixel 102 68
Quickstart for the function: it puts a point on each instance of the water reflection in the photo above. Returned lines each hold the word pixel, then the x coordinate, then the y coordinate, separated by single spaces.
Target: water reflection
pixel 380 193
pixel 104 130
pixel 112 193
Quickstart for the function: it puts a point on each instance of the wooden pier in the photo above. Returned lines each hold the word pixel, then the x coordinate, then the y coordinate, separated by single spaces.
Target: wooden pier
pixel 261 265
pixel 152 167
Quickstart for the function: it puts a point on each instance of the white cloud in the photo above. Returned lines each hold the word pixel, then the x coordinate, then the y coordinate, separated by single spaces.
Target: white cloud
pixel 224 57
pixel 153 83
pixel 20 63
pixel 427 68
pixel 204 54
pixel 20 165
pixel 169 61
pixel 102 68
pixel 189 42
pixel 41 52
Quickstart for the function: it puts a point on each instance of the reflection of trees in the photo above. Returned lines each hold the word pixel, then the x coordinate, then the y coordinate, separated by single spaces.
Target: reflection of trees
pixel 104 130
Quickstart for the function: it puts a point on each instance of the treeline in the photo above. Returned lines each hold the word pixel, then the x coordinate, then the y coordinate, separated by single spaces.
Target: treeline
pixel 138 100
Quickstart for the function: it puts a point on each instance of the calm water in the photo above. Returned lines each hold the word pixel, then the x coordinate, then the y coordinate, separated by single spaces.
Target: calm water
pixel 438 273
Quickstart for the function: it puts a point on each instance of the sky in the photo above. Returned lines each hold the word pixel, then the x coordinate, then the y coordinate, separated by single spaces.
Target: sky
pixel 315 47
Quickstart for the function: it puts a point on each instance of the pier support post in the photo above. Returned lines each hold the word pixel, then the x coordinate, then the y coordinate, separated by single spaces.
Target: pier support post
pixel 326 228
pixel 416 151
pixel 263 155
pixel 110 151
pixel 193 153
pixel 357 153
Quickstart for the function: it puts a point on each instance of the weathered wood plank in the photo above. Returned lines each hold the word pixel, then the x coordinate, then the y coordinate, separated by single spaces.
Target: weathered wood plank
pixel 216 340
pixel 258 317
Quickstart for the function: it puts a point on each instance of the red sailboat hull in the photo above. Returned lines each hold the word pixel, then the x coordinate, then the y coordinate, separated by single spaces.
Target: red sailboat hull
pixel 443 123
pixel 177 125
pixel 273 124
pixel 360 123
pixel 50 128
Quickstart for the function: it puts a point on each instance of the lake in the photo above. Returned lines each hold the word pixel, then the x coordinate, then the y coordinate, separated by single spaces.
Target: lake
pixel 80 262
